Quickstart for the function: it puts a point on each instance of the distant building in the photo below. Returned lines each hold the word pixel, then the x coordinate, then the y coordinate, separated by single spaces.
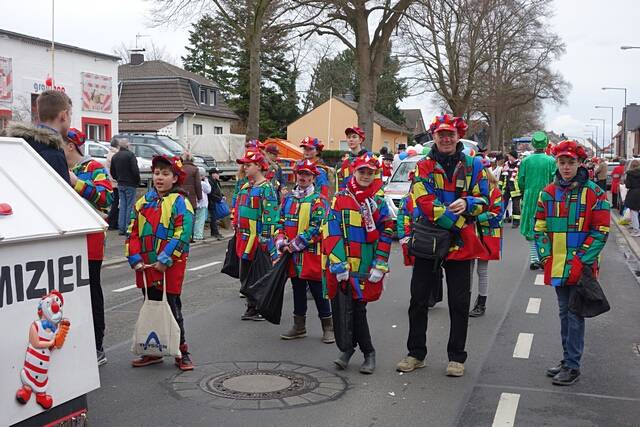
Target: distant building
pixel 328 121
pixel 156 96
pixel 89 78
pixel 632 148
pixel 414 121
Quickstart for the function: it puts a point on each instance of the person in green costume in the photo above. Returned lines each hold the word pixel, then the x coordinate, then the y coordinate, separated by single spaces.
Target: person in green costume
pixel 536 172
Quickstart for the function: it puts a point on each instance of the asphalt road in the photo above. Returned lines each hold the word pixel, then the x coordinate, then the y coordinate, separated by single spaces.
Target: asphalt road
pixel 607 394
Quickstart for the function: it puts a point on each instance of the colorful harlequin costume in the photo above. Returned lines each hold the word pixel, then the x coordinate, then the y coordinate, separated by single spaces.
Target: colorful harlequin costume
pixel 440 179
pixel 324 171
pixel 46 334
pixel 572 224
pixel 571 229
pixel 345 172
pixel 490 223
pixel 510 187
pixel 404 222
pixel 301 215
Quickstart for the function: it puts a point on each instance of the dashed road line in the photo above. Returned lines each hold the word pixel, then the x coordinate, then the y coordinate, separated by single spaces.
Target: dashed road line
pixel 211 264
pixel 507 408
pixel 126 288
pixel 539 280
pixel 534 305
pixel 523 346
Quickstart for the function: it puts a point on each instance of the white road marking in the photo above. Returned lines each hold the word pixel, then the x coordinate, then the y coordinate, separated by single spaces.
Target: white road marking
pixel 534 305
pixel 211 264
pixel 126 288
pixel 523 346
pixel 506 412
pixel 539 280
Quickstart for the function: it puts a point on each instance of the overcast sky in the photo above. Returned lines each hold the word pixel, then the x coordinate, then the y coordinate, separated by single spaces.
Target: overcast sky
pixel 592 30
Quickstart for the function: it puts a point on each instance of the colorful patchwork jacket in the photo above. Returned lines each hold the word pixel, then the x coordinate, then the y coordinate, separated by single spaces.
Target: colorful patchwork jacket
pixel 347 245
pixel 345 171
pixel 95 187
pixel 509 179
pixel 160 230
pixel 404 224
pixel 433 192
pixel 322 181
pixel 239 184
pixel 256 216
pixel 491 225
pixel 300 222
pixel 572 226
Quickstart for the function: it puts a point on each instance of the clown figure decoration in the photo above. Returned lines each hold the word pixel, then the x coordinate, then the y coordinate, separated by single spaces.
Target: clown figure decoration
pixel 47 333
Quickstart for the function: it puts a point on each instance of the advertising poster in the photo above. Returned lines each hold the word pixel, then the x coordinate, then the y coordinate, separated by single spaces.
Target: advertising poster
pixel 6 80
pixel 96 93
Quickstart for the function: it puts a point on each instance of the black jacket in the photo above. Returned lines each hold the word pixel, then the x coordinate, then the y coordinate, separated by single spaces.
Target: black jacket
pixel 46 142
pixel 216 192
pixel 632 201
pixel 124 168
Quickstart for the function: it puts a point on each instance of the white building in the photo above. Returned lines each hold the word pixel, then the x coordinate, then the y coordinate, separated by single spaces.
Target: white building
pixel 89 78
pixel 158 97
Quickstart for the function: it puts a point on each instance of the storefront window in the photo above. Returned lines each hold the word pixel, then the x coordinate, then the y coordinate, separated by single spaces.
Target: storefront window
pixel 95 132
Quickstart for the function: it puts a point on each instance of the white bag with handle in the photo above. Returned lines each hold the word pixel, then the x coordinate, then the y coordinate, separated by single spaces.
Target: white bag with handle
pixel 156 333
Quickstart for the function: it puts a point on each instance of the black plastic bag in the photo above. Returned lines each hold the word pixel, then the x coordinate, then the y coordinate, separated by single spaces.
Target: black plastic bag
pixel 436 291
pixel 268 291
pixel 257 268
pixel 588 300
pixel 342 312
pixel 231 265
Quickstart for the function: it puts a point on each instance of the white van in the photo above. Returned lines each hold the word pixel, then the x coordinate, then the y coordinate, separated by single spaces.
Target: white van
pixel 398 186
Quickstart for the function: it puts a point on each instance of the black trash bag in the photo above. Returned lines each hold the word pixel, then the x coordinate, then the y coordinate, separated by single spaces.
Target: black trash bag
pixel 436 291
pixel 588 300
pixel 257 268
pixel 268 291
pixel 231 265
pixel 342 312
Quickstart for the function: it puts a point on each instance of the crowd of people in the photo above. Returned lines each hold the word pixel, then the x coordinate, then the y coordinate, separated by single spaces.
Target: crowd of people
pixel 338 229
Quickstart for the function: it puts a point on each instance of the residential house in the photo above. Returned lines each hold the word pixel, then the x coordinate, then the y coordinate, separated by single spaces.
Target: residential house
pixel 632 148
pixel 414 121
pixel 159 97
pixel 328 121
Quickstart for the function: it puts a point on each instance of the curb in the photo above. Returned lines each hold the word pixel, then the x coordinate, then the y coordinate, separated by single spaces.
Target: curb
pixel 635 247
pixel 123 260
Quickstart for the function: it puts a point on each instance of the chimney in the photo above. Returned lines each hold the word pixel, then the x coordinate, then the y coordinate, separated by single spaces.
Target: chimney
pixel 137 58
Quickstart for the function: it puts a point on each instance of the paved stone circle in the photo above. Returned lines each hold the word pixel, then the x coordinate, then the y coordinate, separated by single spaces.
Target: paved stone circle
pixel 257 385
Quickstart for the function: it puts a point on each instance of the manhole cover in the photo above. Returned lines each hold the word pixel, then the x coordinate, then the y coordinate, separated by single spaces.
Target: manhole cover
pixel 258 385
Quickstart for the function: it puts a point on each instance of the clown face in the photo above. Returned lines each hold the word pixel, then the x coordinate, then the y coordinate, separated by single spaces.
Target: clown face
pixel 50 308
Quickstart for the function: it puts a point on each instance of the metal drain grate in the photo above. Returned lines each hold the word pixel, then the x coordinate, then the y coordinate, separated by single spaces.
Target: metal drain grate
pixel 258 385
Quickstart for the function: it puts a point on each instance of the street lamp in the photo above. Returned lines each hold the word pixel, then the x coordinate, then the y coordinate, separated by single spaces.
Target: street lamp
pixel 602 135
pixel 624 117
pixel 611 108
pixel 629 47
pixel 595 140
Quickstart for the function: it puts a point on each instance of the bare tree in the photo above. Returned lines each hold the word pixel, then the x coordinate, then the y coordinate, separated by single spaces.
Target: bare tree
pixel 152 52
pixel 348 21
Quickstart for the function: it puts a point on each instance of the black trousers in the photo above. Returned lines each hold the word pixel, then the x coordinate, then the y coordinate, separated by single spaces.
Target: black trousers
pixel 213 221
pixel 112 219
pixel 245 266
pixel 97 302
pixel 423 280
pixel 155 294
pixel 515 202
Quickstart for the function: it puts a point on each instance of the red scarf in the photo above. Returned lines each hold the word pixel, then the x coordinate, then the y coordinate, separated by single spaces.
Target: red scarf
pixel 363 193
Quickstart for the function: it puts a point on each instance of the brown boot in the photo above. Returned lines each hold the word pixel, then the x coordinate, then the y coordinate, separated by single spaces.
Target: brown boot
pixel 327 330
pixel 298 330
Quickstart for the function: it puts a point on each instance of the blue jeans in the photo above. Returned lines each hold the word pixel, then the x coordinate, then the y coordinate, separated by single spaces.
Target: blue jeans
pixel 127 199
pixel 300 297
pixel 571 329
pixel 198 225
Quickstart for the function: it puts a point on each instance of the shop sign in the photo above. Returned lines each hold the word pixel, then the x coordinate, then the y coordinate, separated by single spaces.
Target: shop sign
pixel 96 93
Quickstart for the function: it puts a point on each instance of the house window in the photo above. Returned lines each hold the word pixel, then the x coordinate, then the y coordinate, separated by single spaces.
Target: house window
pixel 217 130
pixel 343 145
pixel 203 96
pixel 212 98
pixel 95 132
pixel 197 129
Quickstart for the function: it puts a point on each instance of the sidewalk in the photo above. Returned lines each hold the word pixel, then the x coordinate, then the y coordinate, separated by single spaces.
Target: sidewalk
pixel 114 250
pixel 633 242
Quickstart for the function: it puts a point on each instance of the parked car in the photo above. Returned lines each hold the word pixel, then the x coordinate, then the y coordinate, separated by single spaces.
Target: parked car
pixel 206 161
pixel 99 150
pixel 399 184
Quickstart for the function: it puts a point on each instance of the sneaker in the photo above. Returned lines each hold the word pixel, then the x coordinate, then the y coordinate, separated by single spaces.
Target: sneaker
pixel 184 363
pixel 535 265
pixel 634 233
pixel 249 314
pixel 623 221
pixel 409 364
pixel 102 358
pixel 258 318
pixel 552 372
pixel 566 376
pixel 241 295
pixel 146 361
pixel 455 369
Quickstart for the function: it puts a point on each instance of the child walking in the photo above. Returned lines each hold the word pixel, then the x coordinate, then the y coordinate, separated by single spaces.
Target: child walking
pixel 157 245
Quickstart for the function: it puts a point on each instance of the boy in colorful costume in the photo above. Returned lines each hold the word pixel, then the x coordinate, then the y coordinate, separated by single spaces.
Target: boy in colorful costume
pixel 571 229
pixel 298 231
pixel 91 181
pixel 257 215
pixel 157 245
pixel 355 139
pixel 449 189
pixel 510 188
pixel 356 243
pixel 311 150
pixel 536 172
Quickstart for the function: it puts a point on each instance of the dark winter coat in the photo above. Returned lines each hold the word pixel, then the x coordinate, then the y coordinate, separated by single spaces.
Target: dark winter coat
pixel 46 142
pixel 124 168
pixel 192 185
pixel 216 192
pixel 633 186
